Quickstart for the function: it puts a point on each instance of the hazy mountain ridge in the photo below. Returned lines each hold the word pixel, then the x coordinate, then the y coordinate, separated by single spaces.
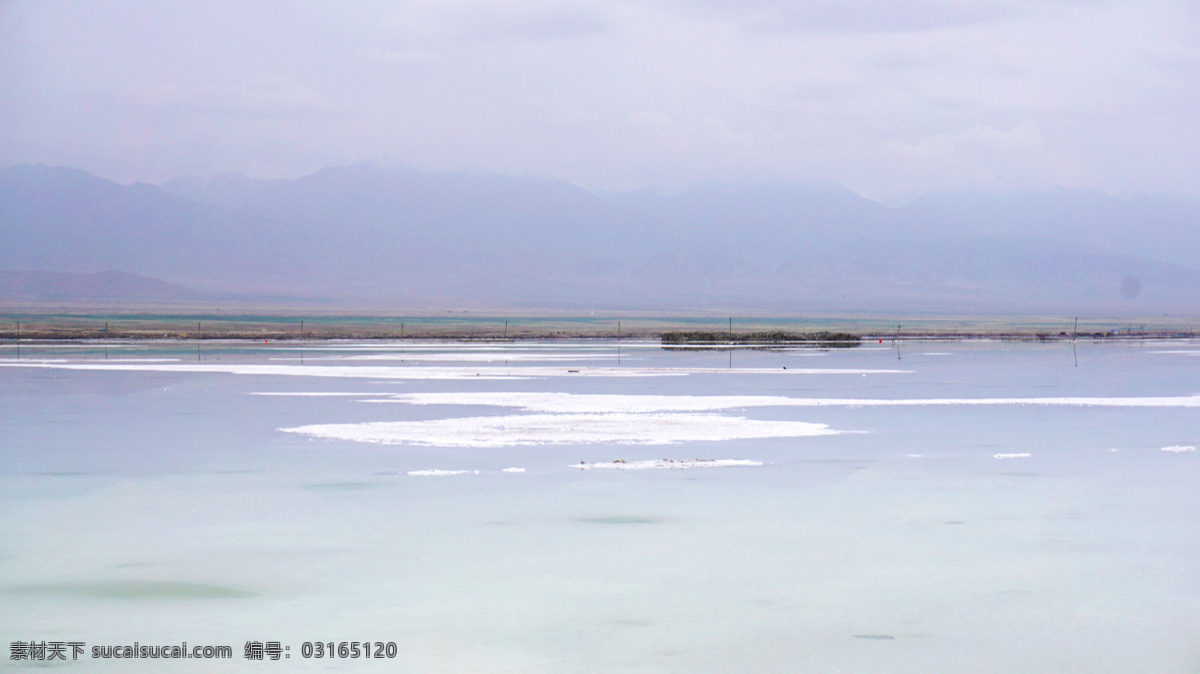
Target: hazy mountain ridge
pixel 366 234
pixel 49 286
pixel 1157 227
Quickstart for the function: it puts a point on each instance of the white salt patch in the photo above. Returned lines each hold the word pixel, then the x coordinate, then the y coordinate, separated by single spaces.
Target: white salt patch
pixel 483 357
pixel 915 456
pixel 604 403
pixel 304 394
pixel 514 470
pixel 380 372
pixel 417 346
pixel 667 463
pixel 436 473
pixel 360 372
pixel 593 404
pixel 85 345
pixel 1179 448
pixel 789 371
pixel 1023 455
pixel 563 429
pixel 137 360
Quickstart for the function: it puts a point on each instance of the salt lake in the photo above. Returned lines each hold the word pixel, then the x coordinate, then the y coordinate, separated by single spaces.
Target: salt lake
pixel 584 506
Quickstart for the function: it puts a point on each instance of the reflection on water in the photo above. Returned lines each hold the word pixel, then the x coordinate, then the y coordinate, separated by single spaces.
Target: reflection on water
pixel 976 510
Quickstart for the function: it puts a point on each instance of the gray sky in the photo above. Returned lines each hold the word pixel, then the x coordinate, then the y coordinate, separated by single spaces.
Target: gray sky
pixel 888 98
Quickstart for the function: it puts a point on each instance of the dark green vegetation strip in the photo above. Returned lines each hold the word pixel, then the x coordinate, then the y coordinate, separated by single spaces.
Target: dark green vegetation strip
pixel 777 337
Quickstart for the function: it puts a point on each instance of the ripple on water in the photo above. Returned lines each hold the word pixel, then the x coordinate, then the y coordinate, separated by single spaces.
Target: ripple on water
pixel 340 486
pixel 136 590
pixel 619 520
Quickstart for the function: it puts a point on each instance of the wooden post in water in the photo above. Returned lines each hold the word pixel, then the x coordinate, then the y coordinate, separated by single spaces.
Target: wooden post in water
pixel 731 342
pixel 18 340
pixel 197 341
pixel 618 342
pixel 1075 331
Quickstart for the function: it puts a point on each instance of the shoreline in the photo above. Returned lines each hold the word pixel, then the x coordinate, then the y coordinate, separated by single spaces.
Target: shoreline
pixel 40 334
pixel 680 331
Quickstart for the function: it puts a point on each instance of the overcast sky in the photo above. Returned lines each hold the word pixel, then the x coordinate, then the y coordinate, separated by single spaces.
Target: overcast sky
pixel 891 99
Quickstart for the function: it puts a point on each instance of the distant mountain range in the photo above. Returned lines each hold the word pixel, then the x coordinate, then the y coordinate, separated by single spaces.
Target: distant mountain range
pixel 371 236
pixel 54 286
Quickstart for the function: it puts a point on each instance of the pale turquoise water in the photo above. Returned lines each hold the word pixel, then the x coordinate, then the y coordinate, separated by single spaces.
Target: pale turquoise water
pixel 155 503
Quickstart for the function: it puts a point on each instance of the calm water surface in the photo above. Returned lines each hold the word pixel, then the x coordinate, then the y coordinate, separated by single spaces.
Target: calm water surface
pixel 982 507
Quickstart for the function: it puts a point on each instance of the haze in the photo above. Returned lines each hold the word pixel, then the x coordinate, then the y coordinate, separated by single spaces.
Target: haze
pixel 892 100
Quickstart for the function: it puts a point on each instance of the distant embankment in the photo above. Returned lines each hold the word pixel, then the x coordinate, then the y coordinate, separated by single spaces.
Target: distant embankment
pixel 775 338
pixel 23 324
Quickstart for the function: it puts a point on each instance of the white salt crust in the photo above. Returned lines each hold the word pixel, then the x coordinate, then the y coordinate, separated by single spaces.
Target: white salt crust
pixel 562 429
pixel 669 464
